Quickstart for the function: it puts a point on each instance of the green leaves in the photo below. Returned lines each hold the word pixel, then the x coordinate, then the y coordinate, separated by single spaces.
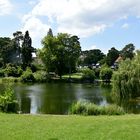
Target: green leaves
pixel 60 53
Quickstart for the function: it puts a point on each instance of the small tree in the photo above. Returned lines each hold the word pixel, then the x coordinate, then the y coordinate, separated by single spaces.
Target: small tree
pixel 88 74
pixel 106 74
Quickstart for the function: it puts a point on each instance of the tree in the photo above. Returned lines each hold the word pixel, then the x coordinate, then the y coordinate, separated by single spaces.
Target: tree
pixel 18 38
pixel 106 74
pixel 50 33
pixel 72 49
pixel 128 51
pixel 7 51
pixel 91 57
pixel 112 55
pixel 126 81
pixel 60 52
pixel 27 49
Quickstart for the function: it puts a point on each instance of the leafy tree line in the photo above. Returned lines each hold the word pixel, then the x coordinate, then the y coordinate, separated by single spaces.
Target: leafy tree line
pixel 95 56
pixel 17 50
pixel 60 54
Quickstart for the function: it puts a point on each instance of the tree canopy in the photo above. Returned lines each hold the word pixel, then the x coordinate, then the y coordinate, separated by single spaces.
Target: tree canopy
pixel 60 53
pixel 128 51
pixel 112 55
pixel 91 57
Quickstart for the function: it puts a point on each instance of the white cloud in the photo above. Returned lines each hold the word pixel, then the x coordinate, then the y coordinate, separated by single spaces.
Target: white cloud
pixel 36 28
pixel 5 7
pixel 32 2
pixel 125 26
pixel 84 17
pixel 93 47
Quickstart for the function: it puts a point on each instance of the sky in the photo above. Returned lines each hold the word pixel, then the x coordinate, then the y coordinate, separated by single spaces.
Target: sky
pixel 100 24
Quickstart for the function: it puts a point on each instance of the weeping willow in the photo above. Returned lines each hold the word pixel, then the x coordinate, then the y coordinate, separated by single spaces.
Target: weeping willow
pixel 126 81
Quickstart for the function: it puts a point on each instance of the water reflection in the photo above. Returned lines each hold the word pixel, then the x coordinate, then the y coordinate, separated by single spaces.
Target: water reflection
pixel 57 98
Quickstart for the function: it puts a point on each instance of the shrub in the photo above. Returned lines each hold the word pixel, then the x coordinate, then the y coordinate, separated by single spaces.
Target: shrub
pixel 19 71
pixel 8 102
pixel 10 79
pixel 106 74
pixel 2 71
pixel 10 70
pixel 88 74
pixel 86 108
pixel 114 110
pixel 27 76
pixel 41 76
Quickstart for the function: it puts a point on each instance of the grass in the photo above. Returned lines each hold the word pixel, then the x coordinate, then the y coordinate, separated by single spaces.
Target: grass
pixel 87 108
pixel 70 127
pixel 73 76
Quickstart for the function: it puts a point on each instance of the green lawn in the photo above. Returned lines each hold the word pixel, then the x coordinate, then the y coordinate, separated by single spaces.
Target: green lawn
pixel 73 75
pixel 51 127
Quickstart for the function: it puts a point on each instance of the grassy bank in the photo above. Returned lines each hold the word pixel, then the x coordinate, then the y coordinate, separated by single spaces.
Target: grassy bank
pixel 48 127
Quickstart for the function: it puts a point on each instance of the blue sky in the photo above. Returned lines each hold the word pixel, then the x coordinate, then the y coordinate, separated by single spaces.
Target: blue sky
pixel 100 24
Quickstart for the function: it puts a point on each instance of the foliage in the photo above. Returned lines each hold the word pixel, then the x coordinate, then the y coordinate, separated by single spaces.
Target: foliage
pixel 27 49
pixel 112 55
pixel 2 71
pixel 128 51
pixel 88 74
pixel 12 70
pixel 41 76
pixel 7 51
pixel 7 101
pixel 60 53
pixel 27 76
pixel 126 81
pixel 10 79
pixel 106 73
pixel 91 57
pixel 86 108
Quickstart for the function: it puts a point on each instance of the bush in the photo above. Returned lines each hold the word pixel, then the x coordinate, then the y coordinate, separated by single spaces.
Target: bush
pixel 106 74
pixel 27 76
pixel 41 76
pixel 8 102
pixel 11 70
pixel 88 74
pixel 86 108
pixel 10 79
pixel 2 71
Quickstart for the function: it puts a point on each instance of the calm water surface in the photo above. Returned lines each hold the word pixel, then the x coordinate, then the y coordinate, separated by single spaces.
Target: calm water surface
pixel 57 98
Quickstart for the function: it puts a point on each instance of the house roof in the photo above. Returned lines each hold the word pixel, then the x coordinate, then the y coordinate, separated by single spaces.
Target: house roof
pixel 119 59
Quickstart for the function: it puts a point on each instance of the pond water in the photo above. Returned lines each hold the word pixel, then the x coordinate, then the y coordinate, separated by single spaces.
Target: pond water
pixel 56 98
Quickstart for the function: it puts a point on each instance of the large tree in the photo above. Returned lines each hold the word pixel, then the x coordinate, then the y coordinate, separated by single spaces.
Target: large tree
pixel 112 55
pixel 18 38
pixel 8 51
pixel 128 51
pixel 60 53
pixel 27 49
pixel 91 56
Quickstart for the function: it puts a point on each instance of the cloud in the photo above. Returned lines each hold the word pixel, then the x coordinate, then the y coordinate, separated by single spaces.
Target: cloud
pixel 93 47
pixel 125 26
pixel 84 17
pixel 5 7
pixel 36 28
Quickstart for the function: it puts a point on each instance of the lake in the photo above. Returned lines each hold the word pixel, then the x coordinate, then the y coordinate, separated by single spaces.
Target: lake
pixel 56 98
